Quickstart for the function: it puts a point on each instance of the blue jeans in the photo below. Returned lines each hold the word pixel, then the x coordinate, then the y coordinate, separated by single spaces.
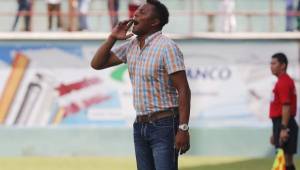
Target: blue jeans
pixel 154 144
pixel 83 22
pixel 23 6
pixel 83 16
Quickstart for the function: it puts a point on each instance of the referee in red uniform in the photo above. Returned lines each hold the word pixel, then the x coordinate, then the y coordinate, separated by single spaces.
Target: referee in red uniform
pixel 283 110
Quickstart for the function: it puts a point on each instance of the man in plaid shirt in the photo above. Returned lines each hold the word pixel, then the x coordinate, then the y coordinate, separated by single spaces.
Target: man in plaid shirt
pixel 161 94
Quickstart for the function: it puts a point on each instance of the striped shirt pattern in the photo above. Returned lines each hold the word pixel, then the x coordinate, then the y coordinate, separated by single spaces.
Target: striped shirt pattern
pixel 149 69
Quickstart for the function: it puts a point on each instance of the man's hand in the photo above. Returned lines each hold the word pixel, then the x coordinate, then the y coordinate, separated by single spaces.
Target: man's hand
pixel 284 135
pixel 120 30
pixel 272 140
pixel 182 141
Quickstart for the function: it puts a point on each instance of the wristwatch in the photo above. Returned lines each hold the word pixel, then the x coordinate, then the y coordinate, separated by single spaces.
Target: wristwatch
pixel 183 127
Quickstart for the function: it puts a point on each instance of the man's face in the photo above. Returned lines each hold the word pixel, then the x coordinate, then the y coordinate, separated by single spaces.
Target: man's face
pixel 144 18
pixel 276 67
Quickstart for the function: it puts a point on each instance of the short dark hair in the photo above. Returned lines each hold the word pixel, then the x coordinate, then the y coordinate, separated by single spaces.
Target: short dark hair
pixel 161 11
pixel 282 59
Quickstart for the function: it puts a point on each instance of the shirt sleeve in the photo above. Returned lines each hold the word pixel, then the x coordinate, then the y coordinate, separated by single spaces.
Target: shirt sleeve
pixel 173 58
pixel 121 51
pixel 284 92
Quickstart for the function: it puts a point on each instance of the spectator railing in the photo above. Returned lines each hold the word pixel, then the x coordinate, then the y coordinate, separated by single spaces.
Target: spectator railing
pixel 191 15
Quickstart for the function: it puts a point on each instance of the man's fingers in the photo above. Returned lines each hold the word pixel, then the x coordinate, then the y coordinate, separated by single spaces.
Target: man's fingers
pixel 272 140
pixel 122 23
pixel 129 35
pixel 282 140
pixel 129 24
pixel 184 149
pixel 178 146
pixel 188 146
pixel 125 22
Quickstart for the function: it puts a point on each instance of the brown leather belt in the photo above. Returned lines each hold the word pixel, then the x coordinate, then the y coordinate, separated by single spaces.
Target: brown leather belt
pixel 155 116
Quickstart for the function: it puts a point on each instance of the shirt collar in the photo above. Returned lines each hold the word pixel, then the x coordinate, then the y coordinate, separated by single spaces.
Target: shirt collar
pixel 150 38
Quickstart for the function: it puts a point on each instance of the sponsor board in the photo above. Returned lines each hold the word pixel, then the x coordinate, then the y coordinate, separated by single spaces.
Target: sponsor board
pixel 230 82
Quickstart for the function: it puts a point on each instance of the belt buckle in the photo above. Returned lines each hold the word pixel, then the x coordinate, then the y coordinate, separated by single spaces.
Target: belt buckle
pixel 144 119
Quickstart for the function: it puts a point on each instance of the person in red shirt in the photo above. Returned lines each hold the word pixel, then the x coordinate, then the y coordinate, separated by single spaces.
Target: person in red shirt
pixel 283 110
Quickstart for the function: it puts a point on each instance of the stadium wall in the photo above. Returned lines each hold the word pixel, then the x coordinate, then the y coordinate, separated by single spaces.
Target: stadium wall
pixel 97 141
pixel 228 74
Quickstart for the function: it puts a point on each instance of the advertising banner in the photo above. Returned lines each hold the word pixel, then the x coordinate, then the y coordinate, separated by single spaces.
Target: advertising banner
pixel 46 84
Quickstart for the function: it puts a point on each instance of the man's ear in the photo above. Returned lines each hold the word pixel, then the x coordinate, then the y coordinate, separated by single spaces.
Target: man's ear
pixel 283 67
pixel 155 22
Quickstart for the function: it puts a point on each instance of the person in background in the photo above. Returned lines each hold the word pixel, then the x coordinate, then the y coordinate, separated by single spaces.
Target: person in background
pixel 133 5
pixel 72 15
pixel 298 16
pixel 289 15
pixel 54 10
pixel 24 9
pixel 283 109
pixel 113 9
pixel 228 16
pixel 83 7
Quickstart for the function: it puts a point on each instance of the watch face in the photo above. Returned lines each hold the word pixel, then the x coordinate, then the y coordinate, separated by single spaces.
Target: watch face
pixel 184 127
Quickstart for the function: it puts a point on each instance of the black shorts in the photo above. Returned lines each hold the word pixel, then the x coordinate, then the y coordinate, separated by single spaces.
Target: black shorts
pixel 290 146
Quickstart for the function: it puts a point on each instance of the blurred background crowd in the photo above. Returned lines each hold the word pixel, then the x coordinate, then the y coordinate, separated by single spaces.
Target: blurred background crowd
pixel 193 15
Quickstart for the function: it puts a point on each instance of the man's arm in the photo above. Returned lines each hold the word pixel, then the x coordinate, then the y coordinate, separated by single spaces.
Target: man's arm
pixel 184 93
pixel 180 82
pixel 285 114
pixel 104 57
pixel 284 133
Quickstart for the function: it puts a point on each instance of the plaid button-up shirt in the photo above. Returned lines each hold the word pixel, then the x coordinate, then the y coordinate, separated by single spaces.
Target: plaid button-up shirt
pixel 149 70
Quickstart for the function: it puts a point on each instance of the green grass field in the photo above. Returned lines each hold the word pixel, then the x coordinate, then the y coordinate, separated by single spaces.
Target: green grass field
pixel 104 163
